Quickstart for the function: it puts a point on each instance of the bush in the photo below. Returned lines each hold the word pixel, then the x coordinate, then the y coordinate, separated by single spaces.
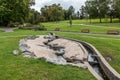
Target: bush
pixel 57 29
pixel 16 24
pixel 42 27
pixel 27 25
pixel 11 24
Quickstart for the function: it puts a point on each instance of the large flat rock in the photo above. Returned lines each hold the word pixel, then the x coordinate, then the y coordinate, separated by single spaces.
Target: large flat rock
pixel 72 49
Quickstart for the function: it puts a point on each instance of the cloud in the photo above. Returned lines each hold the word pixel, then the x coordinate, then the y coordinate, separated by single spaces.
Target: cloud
pixel 64 3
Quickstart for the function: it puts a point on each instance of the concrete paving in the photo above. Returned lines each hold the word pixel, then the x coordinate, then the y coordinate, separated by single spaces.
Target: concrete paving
pixel 8 29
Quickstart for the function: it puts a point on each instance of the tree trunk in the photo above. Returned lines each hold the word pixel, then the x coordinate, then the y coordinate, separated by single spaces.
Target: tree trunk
pixel 100 19
pixel 8 24
pixel 90 20
pixel 119 19
pixel 110 19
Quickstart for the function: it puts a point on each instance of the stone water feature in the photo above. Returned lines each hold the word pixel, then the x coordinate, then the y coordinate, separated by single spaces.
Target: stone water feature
pixel 53 49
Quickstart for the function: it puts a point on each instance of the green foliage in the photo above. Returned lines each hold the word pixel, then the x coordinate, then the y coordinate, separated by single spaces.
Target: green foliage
pixel 28 25
pixel 42 27
pixel 81 13
pixel 15 11
pixel 71 10
pixel 101 8
pixel 70 21
pixel 11 24
pixel 117 7
pixel 34 17
pixel 91 8
pixel 53 12
pixel 96 8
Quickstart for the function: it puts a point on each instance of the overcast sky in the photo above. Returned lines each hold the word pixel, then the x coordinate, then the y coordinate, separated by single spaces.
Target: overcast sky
pixel 64 3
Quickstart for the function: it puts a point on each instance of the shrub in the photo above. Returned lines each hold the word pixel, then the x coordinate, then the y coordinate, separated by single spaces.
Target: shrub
pixel 28 25
pixel 42 27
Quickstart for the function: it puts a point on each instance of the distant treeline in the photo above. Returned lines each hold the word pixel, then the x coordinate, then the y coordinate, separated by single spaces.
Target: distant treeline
pixel 92 9
pixel 19 11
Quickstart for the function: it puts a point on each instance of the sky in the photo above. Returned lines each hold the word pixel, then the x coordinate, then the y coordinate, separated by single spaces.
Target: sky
pixel 64 3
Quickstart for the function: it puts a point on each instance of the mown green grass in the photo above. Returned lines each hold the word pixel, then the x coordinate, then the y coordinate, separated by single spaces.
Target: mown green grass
pixel 19 68
pixel 78 25
pixel 1 31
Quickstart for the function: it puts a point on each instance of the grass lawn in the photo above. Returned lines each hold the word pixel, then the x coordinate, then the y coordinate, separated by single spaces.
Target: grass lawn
pixel 78 25
pixel 20 68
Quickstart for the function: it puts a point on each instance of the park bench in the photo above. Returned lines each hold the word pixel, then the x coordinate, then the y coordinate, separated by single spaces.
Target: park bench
pixel 85 31
pixel 115 32
pixel 57 29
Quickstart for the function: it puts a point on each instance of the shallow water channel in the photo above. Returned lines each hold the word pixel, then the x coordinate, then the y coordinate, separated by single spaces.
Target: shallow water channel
pixel 94 62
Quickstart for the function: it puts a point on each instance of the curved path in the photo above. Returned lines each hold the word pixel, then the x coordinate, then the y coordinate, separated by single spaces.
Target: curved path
pixel 94 25
pixel 8 29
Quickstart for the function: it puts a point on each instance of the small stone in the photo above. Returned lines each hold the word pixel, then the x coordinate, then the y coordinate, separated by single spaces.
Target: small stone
pixel 78 65
pixel 24 47
pixel 16 52
pixel 28 54
pixel 32 37
pixel 60 52
pixel 84 66
pixel 109 59
pixel 69 60
pixel 61 60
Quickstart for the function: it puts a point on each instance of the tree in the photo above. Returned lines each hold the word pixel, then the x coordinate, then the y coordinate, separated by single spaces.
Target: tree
pixel 66 16
pixel 14 11
pixel 102 7
pixel 32 2
pixel 56 12
pixel 82 11
pixel 90 9
pixel 78 14
pixel 117 8
pixel 44 13
pixel 70 18
pixel 111 10
pixel 71 10
pixel 96 8
pixel 53 12
pixel 34 17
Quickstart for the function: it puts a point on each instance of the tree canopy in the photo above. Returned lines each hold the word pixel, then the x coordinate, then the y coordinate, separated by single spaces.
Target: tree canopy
pixel 14 11
pixel 101 8
pixel 53 12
